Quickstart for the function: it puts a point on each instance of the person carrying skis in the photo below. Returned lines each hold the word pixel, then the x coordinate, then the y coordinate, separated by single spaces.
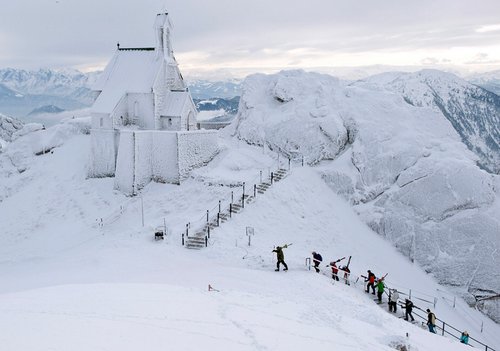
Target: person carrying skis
pixel 464 339
pixel 347 273
pixel 380 289
pixel 317 259
pixel 408 306
pixel 393 300
pixel 371 282
pixel 431 321
pixel 281 257
pixel 335 270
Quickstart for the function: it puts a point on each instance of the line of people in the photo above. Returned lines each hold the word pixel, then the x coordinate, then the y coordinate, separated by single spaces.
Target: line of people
pixel 370 280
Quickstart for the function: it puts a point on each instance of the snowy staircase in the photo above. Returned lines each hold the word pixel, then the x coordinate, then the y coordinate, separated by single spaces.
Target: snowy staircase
pixel 199 239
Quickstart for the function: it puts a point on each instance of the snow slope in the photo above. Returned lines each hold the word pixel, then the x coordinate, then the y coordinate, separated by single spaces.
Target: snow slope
pixel 402 167
pixel 70 283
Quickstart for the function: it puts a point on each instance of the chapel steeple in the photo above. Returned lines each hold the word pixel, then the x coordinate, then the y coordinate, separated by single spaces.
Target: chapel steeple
pixel 163 30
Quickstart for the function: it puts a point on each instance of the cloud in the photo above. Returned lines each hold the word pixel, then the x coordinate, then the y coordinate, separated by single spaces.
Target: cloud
pixel 482 58
pixel 488 28
pixel 213 34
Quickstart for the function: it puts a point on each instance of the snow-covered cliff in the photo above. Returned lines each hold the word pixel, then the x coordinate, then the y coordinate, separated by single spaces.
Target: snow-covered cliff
pixel 473 111
pixel 403 167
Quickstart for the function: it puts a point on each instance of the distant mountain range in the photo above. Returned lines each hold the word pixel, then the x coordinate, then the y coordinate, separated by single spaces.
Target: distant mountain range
pixel 204 89
pixel 26 92
pixel 23 91
pixel 489 81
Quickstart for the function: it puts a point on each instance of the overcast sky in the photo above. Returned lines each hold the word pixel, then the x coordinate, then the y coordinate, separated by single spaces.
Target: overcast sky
pixel 244 36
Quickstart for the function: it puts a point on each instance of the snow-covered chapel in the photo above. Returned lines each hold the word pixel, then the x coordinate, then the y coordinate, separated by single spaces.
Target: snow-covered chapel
pixel 144 118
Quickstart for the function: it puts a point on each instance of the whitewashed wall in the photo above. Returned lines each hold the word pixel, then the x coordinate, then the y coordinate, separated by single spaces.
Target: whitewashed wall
pixel 161 156
pixel 145 111
pixel 143 158
pixel 96 121
pixel 103 148
pixel 195 149
pixel 125 163
pixel 160 94
pixel 164 156
pixel 120 113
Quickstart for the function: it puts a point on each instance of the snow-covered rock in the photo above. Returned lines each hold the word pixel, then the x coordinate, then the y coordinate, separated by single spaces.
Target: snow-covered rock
pixel 473 111
pixel 31 141
pixel 293 115
pixel 9 126
pixel 26 129
pixel 403 167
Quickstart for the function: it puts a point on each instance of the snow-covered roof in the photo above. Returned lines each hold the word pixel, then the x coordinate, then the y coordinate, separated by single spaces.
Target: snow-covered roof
pixel 129 71
pixel 175 103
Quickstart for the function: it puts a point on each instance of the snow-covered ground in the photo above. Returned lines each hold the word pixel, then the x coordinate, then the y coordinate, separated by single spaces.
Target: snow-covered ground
pixel 69 283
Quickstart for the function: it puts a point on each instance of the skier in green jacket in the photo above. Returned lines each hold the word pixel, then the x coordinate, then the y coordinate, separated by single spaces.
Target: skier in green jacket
pixel 281 257
pixel 380 289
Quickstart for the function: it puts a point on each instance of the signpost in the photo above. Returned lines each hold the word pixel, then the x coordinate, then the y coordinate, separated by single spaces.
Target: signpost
pixel 250 233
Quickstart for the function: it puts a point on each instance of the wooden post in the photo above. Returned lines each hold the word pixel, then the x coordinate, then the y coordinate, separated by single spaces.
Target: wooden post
pixel 302 160
pixel 207 215
pixel 232 197
pixel 272 176
pixel 230 210
pixel 243 197
pixel 187 230
pixel 206 241
pixel 208 231
pixel 289 163
pixel 218 219
pixel 443 328
pixel 219 206
pixel 182 239
pixel 255 190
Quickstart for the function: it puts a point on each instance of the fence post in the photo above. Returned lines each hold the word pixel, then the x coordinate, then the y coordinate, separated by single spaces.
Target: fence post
pixel 182 239
pixel 206 241
pixel 443 328
pixel 272 176
pixel 254 190
pixel 218 219
pixel 230 210
pixel 208 231
pixel 232 197
pixel 219 206
pixel 289 163
pixel 243 197
pixel 187 230
pixel 302 160
pixel 207 215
